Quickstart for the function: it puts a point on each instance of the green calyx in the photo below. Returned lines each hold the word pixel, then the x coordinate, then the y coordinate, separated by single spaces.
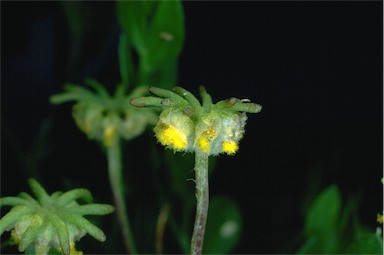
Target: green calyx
pixel 105 117
pixel 181 98
pixel 51 221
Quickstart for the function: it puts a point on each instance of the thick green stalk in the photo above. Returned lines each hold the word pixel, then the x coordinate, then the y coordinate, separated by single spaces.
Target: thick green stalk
pixel 202 197
pixel 115 178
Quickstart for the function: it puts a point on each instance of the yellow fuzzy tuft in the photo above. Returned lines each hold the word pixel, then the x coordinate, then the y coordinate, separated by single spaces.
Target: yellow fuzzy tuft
pixel 74 251
pixel 171 136
pixel 230 147
pixel 204 144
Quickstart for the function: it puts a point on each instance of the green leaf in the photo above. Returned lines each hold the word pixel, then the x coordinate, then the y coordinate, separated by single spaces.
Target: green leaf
pixel 133 20
pixel 125 61
pixel 223 228
pixel 366 243
pixel 323 214
pixel 166 36
pixel 13 216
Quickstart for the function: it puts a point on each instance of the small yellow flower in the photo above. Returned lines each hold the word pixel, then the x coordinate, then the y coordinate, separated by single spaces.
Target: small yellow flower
pixel 171 137
pixel 230 147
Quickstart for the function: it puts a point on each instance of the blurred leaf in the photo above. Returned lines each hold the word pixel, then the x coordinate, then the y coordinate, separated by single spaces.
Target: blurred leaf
pixel 320 244
pixel 155 29
pixel 309 246
pixel 224 226
pixel 324 212
pixel 165 76
pixel 125 61
pixel 366 243
pixel 77 13
pixel 166 36
pixel 133 20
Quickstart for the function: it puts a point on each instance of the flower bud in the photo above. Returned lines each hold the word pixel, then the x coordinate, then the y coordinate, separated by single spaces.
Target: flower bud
pixel 187 125
pixel 175 130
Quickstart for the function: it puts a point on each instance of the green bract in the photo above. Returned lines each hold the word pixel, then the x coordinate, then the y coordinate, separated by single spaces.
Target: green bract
pixel 104 117
pixel 187 125
pixel 51 221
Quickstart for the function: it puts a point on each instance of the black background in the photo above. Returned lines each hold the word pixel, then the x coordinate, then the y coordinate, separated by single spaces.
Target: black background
pixel 316 67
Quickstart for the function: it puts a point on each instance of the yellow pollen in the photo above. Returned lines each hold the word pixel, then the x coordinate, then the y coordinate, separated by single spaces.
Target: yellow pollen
pixel 109 135
pixel 210 134
pixel 230 147
pixel 171 136
pixel 74 251
pixel 204 144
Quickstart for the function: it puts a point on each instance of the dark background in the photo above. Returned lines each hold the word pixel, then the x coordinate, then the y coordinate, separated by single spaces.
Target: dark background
pixel 316 67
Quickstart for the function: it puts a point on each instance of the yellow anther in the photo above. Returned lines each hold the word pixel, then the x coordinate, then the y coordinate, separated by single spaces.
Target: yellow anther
pixel 210 133
pixel 230 147
pixel 109 135
pixel 171 136
pixel 74 251
pixel 204 144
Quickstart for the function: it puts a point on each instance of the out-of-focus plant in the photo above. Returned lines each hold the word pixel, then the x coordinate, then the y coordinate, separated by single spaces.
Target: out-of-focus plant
pixel 205 129
pixel 331 228
pixel 108 119
pixel 154 30
pixel 51 221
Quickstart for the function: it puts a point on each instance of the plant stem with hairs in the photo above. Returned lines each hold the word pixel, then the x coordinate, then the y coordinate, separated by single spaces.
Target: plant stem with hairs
pixel 202 197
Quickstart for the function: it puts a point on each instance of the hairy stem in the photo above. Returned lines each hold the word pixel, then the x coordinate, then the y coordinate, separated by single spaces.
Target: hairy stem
pixel 202 197
pixel 115 178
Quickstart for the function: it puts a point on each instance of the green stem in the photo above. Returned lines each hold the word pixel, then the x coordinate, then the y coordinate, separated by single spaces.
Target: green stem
pixel 115 178
pixel 202 197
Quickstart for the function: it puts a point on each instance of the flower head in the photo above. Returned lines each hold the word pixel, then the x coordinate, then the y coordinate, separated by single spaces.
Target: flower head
pixel 51 221
pixel 187 125
pixel 104 117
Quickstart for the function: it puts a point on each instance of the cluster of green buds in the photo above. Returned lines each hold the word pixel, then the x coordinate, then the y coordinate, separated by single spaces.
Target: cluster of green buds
pixel 187 125
pixel 104 117
pixel 51 221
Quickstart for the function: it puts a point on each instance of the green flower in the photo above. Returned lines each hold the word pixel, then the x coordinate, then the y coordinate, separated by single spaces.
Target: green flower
pixel 187 125
pixel 51 221
pixel 104 117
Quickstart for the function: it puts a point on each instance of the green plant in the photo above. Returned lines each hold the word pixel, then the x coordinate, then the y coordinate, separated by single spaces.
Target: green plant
pixel 51 221
pixel 205 129
pixel 331 228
